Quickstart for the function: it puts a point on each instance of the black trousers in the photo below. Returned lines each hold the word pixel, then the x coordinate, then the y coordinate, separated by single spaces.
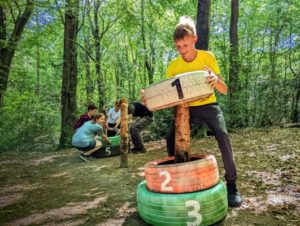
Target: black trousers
pixel 212 116
pixel 135 131
pixel 111 133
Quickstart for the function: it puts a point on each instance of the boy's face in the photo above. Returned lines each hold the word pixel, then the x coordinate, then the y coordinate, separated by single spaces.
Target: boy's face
pixel 185 46
pixel 93 112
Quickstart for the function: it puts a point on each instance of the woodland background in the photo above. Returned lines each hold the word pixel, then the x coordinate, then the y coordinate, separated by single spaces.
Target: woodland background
pixel 58 56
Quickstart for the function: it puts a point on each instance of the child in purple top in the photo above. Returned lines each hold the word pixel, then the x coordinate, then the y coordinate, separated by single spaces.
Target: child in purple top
pixel 92 110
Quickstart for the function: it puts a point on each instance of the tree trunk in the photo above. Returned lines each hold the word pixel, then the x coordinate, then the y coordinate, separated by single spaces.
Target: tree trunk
pixel 69 82
pixel 234 83
pixel 124 135
pixel 202 28
pixel 131 85
pixel 295 114
pixel 89 87
pixel 182 133
pixel 87 55
pixel 203 12
pixel 295 110
pixel 96 33
pixel 98 36
pixel 272 97
pixel 8 46
pixel 38 58
pixel 149 55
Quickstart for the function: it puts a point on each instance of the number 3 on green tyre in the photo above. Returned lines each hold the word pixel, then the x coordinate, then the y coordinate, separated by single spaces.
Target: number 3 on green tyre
pixel 188 209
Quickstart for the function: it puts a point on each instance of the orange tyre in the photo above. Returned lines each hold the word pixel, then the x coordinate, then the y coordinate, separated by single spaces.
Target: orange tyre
pixel 200 173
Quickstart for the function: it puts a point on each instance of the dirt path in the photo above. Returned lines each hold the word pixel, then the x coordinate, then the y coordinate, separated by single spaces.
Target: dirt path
pixel 57 188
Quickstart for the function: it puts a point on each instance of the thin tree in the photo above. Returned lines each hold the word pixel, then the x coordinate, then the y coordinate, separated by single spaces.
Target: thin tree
pixel 149 55
pixel 69 82
pixel 295 114
pixel 234 83
pixel 100 24
pixel 38 58
pixel 202 29
pixel 86 55
pixel 9 42
pixel 202 25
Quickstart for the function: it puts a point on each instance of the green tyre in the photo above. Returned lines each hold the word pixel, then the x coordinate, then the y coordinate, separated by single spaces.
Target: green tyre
pixel 204 207
pixel 108 150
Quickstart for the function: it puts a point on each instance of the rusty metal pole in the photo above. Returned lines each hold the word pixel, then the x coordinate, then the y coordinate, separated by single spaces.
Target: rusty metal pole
pixel 124 134
pixel 182 133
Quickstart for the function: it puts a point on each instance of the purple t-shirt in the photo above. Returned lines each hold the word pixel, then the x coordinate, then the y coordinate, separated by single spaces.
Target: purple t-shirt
pixel 83 118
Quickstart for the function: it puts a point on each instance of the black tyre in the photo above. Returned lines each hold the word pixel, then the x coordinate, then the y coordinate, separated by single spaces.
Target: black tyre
pixel 108 150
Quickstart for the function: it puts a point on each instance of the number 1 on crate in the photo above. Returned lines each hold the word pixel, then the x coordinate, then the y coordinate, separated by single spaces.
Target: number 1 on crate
pixel 176 83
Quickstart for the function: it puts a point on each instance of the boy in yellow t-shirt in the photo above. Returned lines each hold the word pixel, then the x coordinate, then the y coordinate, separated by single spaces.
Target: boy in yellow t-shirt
pixel 206 111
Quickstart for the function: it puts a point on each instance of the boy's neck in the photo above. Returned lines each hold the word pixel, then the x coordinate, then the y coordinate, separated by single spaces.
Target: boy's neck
pixel 192 56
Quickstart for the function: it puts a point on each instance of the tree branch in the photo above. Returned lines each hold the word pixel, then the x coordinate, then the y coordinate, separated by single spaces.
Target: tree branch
pixel 59 12
pixel 21 21
pixel 83 17
pixel 90 19
pixel 12 13
pixel 86 52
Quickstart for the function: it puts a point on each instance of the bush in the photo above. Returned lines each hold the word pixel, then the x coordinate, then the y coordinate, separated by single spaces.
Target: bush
pixel 161 124
pixel 29 123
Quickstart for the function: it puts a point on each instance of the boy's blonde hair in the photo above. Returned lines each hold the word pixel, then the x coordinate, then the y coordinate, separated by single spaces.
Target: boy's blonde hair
pixel 186 26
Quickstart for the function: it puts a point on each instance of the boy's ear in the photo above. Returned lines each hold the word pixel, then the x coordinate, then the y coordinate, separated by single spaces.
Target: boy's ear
pixel 195 38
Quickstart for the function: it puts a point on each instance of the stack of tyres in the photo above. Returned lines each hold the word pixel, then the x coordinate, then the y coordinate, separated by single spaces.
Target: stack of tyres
pixel 109 150
pixel 180 194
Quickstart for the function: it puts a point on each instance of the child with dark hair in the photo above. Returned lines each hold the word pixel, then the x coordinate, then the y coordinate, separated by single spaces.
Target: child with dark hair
pixel 84 138
pixel 91 111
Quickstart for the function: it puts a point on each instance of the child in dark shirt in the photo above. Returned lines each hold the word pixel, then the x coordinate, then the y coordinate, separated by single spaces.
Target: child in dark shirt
pixel 145 118
pixel 92 110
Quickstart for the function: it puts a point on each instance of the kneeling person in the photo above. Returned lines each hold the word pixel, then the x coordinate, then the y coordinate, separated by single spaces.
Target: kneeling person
pixel 85 137
pixel 145 118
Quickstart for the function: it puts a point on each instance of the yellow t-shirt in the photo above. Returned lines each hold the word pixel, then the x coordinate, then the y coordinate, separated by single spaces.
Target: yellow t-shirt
pixel 204 58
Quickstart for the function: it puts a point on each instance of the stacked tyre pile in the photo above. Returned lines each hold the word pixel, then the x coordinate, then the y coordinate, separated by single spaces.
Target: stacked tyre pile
pixel 109 150
pixel 188 193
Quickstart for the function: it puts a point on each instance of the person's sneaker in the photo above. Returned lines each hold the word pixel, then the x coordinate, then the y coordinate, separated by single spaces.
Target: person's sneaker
pixel 143 150
pixel 233 195
pixel 137 150
pixel 84 157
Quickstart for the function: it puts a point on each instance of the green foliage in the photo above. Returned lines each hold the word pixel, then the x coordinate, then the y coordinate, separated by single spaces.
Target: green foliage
pixel 161 124
pixel 28 123
pixel 269 74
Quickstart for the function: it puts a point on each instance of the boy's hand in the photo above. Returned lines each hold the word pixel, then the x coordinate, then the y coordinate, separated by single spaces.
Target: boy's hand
pixel 212 79
pixel 143 99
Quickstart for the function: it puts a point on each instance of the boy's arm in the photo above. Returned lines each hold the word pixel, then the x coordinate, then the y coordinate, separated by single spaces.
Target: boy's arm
pixel 216 81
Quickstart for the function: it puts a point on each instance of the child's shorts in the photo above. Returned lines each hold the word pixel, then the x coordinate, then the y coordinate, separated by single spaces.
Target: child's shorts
pixel 92 145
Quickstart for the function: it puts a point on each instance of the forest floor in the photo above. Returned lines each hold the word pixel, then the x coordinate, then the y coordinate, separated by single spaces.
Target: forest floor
pixel 58 188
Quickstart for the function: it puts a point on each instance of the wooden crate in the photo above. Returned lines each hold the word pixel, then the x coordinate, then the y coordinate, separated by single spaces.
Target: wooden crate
pixel 180 89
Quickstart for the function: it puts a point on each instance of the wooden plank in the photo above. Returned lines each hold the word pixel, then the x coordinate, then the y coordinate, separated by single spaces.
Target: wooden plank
pixel 180 89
